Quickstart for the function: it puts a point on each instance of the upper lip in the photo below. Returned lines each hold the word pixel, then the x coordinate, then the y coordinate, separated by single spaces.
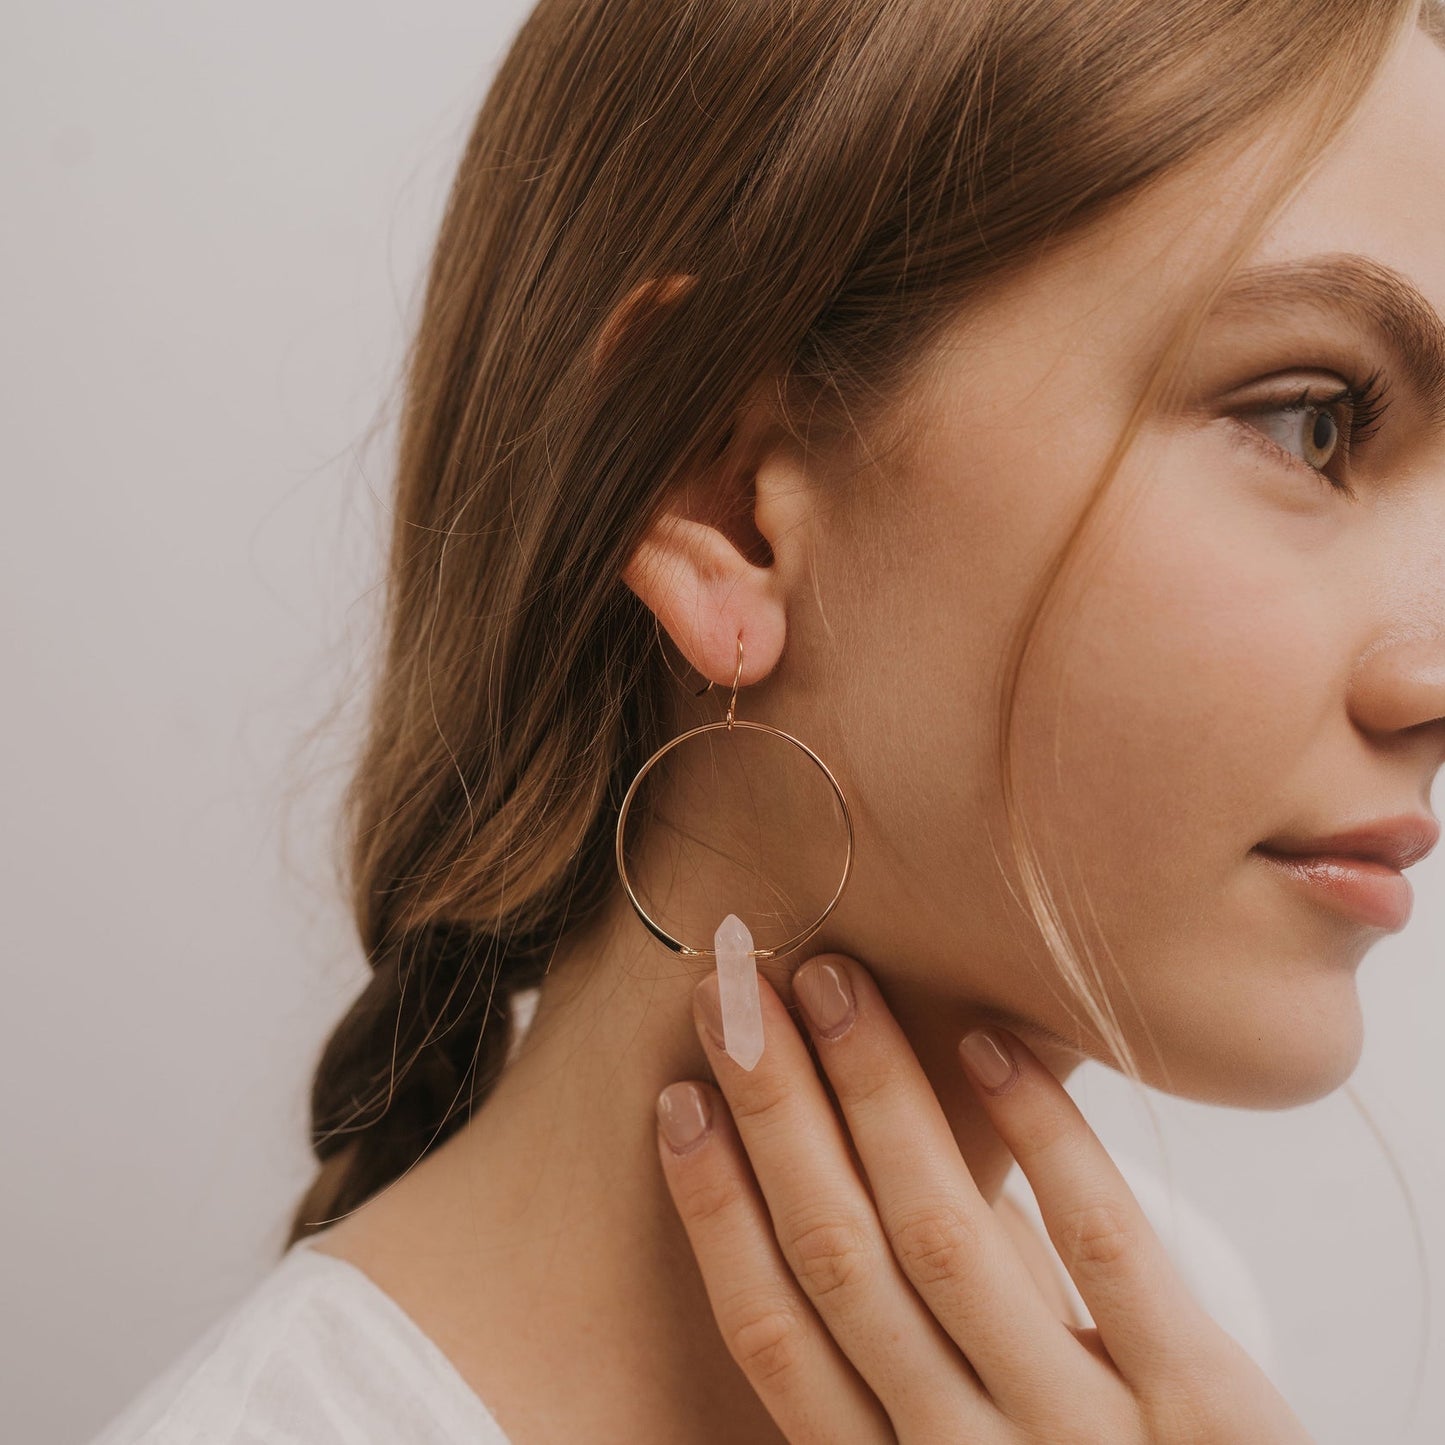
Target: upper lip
pixel 1398 842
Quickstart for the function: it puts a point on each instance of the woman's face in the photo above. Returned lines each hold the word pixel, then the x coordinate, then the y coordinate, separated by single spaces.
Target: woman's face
pixel 1245 652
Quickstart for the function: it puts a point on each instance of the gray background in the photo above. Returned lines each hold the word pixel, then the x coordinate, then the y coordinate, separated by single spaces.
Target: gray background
pixel 213 228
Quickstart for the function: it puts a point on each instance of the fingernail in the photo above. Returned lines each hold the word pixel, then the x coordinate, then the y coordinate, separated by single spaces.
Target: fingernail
pixel 684 1114
pixel 987 1059
pixel 710 1008
pixel 826 997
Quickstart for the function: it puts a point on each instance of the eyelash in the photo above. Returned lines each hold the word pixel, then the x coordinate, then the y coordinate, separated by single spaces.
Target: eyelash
pixel 1367 401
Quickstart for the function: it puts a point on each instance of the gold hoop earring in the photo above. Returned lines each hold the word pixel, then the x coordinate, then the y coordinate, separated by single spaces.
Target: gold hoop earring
pixel 732 948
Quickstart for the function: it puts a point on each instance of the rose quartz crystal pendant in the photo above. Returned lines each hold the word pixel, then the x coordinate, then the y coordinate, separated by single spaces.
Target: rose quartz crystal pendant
pixel 737 986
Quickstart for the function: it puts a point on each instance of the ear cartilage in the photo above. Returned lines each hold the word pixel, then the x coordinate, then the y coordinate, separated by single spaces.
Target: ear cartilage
pixel 737 986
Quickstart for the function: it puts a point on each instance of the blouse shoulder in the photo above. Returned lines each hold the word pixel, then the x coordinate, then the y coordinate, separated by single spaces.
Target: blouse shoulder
pixel 317 1352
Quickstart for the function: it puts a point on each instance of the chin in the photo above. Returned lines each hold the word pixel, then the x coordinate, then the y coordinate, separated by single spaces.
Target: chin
pixel 1298 1047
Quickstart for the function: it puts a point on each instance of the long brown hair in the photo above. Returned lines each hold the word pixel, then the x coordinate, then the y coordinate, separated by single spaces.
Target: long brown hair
pixel 839 178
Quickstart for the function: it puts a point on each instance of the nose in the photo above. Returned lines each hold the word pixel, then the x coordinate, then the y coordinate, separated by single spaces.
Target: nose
pixel 1397 696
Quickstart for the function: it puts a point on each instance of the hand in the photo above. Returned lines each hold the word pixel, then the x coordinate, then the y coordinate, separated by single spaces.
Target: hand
pixel 910 1316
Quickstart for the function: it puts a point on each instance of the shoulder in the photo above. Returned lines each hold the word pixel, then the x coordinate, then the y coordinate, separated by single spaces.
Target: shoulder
pixel 311 1353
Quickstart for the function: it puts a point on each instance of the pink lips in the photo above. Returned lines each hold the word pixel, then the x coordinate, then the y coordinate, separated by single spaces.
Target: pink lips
pixel 1370 892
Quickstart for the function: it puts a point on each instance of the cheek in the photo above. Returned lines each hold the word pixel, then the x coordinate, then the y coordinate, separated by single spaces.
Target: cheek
pixel 1191 667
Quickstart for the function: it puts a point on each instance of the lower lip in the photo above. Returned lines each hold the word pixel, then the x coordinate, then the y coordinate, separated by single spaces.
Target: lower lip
pixel 1369 892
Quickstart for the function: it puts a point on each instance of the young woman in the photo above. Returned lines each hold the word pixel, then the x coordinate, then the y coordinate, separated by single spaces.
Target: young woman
pixel 1037 411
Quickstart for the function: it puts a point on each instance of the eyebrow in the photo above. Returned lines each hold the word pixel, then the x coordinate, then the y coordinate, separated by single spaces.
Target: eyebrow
pixel 1380 300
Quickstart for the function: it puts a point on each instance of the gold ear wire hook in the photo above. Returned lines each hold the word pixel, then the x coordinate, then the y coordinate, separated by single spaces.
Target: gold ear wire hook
pixel 733 701
pixel 657 630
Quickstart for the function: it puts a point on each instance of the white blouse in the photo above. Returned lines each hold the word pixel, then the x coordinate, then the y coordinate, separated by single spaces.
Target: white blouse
pixel 318 1354
pixel 315 1354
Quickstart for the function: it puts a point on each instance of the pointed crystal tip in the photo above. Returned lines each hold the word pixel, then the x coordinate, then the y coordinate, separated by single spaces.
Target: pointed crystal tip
pixel 748 1059
pixel 737 972
pixel 732 933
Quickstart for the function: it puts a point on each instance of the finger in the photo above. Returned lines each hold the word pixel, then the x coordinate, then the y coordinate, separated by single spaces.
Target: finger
pixel 1150 1323
pixel 829 1232
pixel 793 1364
pixel 944 1233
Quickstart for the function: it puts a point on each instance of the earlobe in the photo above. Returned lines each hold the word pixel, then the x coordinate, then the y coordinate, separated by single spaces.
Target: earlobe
pixel 705 594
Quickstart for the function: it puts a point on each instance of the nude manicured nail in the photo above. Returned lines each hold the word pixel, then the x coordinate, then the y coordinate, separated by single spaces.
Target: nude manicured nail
pixel 684 1113
pixel 826 997
pixel 987 1058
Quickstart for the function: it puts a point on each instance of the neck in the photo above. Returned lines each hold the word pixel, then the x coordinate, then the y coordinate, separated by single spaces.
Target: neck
pixel 540 1242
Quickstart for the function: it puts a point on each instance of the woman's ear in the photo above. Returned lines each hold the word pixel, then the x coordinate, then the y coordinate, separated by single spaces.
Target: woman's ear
pixel 707 570
pixel 707 594
pixel 703 567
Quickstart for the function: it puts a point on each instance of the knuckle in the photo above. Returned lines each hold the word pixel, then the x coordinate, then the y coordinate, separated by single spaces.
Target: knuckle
pixel 868 1082
pixel 765 1337
pixel 935 1243
pixel 1097 1236
pixel 829 1256
pixel 708 1197
pixel 1041 1131
pixel 763 1098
